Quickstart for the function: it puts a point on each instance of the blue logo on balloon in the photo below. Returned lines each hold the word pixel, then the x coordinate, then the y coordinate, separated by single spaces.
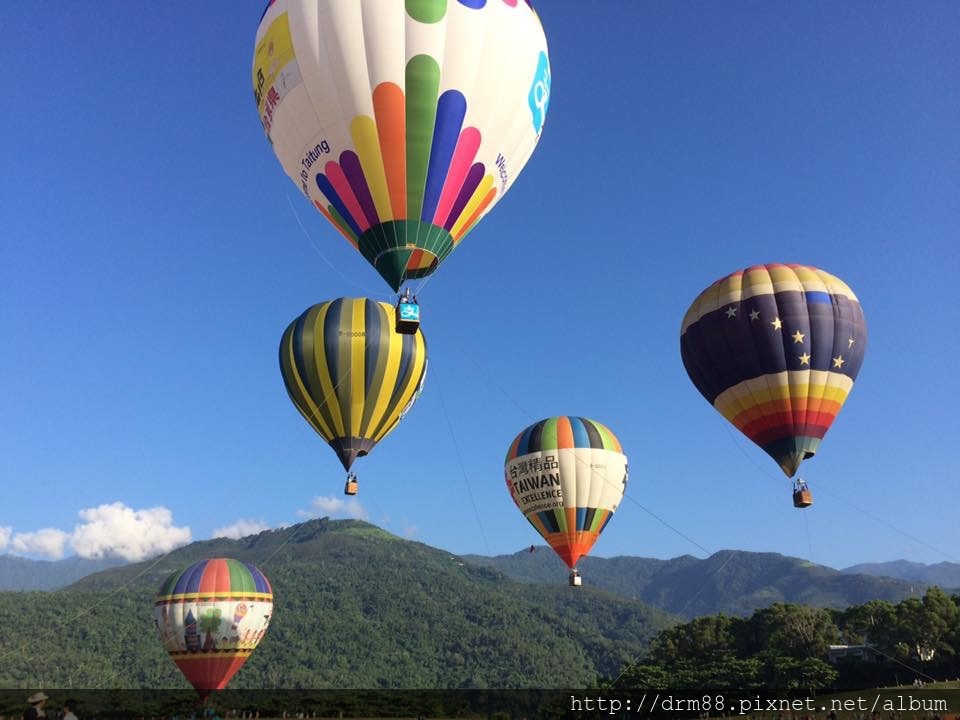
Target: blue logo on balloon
pixel 409 311
pixel 539 96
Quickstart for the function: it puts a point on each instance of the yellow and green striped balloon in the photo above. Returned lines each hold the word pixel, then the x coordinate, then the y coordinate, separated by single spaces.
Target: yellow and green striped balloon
pixel 350 373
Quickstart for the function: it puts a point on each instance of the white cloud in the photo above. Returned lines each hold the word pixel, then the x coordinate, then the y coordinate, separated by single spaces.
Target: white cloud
pixel 240 529
pixel 335 507
pixel 120 531
pixel 410 531
pixel 5 533
pixel 48 542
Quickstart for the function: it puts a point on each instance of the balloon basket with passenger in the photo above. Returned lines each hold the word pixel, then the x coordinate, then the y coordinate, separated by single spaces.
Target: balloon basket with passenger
pixel 802 497
pixel 352 486
pixel 575 580
pixel 407 314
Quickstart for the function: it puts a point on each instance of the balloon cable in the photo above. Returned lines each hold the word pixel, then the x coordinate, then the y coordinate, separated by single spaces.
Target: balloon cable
pixel 859 509
pixel 463 469
pixel 366 290
pixel 682 535
pixel 636 660
pixel 703 586
pixel 664 522
pixel 496 385
pixel 893 527
pixel 55 628
pixel 765 471
pixel 116 673
pixel 526 413
pixel 806 527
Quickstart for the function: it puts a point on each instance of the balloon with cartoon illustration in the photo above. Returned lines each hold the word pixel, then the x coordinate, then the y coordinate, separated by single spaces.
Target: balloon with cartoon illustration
pixel 193 611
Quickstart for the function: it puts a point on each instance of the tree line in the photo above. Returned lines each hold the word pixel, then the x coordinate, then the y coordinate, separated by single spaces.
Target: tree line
pixel 789 646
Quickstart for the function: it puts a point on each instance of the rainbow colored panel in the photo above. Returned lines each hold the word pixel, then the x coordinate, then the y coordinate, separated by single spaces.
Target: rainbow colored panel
pixel 776 349
pixel 220 577
pixel 571 540
pixel 429 189
pixel 563 432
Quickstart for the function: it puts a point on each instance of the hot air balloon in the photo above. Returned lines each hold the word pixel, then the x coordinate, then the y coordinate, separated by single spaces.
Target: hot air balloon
pixel 567 475
pixel 351 375
pixel 402 121
pixel 775 349
pixel 211 617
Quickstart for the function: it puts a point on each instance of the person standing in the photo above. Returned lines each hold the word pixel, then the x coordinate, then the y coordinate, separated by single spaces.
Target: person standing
pixel 36 711
pixel 69 706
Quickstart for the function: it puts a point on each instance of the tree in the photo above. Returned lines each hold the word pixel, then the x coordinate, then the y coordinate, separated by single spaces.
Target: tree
pixel 816 674
pixel 874 623
pixel 795 631
pixel 646 675
pixel 926 624
pixel 703 638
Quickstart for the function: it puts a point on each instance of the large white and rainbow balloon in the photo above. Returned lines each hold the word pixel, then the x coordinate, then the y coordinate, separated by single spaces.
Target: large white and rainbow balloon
pixel 403 121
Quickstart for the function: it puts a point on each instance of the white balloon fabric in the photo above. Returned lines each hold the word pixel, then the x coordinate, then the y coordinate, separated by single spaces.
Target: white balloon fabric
pixel 211 617
pixel 567 475
pixel 402 121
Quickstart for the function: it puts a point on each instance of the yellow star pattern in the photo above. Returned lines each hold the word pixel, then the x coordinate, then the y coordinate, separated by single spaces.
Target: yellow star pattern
pixel 804 359
pixel 798 337
pixel 777 323
pixel 838 361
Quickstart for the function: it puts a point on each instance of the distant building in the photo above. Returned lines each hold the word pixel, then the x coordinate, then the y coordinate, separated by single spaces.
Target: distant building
pixel 864 653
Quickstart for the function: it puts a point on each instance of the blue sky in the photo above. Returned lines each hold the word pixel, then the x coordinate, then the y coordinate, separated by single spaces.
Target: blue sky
pixel 153 252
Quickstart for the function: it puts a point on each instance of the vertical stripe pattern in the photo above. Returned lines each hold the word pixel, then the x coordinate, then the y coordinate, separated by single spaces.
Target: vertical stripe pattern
pixel 349 372
pixel 567 476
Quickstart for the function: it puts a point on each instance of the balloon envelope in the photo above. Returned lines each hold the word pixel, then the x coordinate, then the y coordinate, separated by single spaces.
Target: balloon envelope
pixel 402 121
pixel 567 476
pixel 775 349
pixel 351 375
pixel 211 617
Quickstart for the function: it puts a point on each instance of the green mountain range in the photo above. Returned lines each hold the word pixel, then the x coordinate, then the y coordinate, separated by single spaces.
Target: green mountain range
pixel 732 582
pixel 355 607
pixel 944 574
